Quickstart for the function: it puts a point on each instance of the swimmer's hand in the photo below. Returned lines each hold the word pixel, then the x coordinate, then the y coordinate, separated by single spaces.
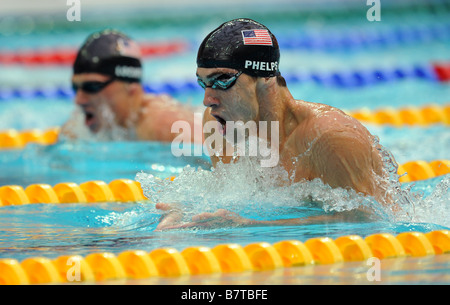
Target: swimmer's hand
pixel 220 218
pixel 172 216
pixel 225 218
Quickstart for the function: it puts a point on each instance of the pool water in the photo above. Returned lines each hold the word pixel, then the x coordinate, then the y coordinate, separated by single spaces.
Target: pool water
pixel 51 230
pixel 312 50
pixel 54 230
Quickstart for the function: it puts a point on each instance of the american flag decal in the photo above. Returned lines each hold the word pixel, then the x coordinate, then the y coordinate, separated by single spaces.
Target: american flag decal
pixel 257 37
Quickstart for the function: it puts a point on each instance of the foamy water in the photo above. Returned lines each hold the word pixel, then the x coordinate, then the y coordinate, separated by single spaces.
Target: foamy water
pixel 248 189
pixel 76 128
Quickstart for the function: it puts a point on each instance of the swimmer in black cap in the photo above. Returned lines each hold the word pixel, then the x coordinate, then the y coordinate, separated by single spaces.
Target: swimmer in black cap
pixel 107 77
pixel 238 66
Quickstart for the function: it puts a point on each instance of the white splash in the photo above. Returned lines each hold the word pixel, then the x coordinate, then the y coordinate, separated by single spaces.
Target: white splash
pixel 75 128
pixel 247 187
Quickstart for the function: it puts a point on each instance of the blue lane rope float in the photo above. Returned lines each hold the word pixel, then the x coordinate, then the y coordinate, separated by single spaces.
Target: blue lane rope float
pixel 348 79
pixel 353 40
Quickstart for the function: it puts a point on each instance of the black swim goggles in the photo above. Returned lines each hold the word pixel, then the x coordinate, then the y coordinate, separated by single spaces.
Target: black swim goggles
pixel 92 87
pixel 223 82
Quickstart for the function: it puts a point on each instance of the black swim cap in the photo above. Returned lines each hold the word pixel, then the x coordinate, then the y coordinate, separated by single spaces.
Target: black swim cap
pixel 111 53
pixel 241 44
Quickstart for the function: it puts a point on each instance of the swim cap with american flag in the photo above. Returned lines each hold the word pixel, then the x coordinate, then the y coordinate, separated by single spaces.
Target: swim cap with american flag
pixel 242 44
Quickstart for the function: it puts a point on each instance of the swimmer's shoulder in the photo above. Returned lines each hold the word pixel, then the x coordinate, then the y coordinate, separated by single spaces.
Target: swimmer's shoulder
pixel 326 123
pixel 169 104
pixel 158 100
pixel 318 109
pixel 326 116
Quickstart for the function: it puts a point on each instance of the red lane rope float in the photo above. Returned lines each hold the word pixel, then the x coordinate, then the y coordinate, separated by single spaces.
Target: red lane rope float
pixel 67 56
pixel 442 71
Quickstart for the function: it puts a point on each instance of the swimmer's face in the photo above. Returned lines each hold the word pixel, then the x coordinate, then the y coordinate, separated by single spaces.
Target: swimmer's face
pixel 237 103
pixel 114 96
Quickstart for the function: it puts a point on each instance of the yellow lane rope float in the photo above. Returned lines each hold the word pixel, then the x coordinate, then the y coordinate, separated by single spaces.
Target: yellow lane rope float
pixel 13 139
pixel 70 192
pixel 420 116
pixel 130 190
pixel 221 259
pixel 425 115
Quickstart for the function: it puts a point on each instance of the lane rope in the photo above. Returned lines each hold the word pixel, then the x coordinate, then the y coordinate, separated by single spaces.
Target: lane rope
pixel 127 190
pixel 339 40
pixel 221 259
pixel 405 116
pixel 67 56
pixel 436 73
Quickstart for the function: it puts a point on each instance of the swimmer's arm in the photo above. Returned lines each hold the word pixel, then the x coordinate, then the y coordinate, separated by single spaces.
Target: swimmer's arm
pixel 246 222
pixel 224 218
pixel 346 159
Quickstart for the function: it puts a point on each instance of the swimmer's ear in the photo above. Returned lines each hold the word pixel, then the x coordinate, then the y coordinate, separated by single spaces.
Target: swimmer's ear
pixel 265 83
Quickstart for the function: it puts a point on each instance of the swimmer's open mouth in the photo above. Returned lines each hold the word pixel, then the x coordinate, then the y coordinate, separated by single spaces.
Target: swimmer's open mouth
pixel 219 119
pixel 222 123
pixel 89 115
pixel 89 118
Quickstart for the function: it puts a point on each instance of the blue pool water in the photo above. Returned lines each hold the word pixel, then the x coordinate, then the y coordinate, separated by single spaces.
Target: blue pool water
pixel 51 230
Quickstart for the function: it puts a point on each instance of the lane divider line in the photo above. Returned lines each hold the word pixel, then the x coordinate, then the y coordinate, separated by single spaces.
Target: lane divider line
pixel 221 259
pixel 67 56
pixel 348 79
pixel 127 190
pixel 405 116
